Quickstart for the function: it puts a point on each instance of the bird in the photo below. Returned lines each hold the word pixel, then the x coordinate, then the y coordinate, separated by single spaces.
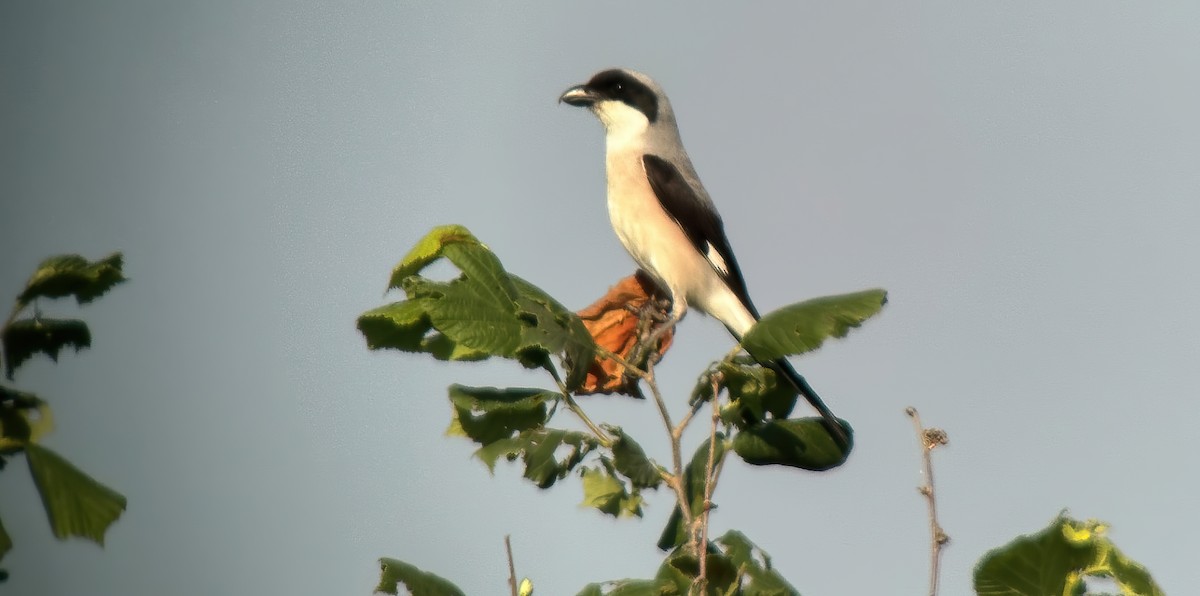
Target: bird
pixel 665 218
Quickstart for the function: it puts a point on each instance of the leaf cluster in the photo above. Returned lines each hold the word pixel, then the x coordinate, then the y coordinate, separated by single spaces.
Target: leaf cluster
pixel 486 312
pixel 75 503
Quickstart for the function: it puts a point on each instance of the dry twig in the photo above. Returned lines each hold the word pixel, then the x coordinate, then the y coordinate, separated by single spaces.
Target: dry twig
pixel 930 439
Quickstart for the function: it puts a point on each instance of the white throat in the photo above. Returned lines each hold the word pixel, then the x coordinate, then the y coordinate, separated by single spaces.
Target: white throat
pixel 624 126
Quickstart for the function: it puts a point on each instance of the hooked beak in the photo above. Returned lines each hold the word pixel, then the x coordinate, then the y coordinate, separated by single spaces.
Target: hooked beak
pixel 579 95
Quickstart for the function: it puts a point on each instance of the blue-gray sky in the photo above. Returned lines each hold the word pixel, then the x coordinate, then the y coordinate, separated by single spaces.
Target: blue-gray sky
pixel 1022 177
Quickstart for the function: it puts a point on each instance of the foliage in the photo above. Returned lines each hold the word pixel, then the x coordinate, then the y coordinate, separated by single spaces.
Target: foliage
pixel 487 312
pixel 1058 560
pixel 75 503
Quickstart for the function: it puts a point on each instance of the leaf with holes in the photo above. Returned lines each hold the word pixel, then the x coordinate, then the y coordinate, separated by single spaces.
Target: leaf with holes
pixel 487 414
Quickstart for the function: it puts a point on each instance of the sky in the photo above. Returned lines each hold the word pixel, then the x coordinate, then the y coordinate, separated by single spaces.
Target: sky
pixel 1022 178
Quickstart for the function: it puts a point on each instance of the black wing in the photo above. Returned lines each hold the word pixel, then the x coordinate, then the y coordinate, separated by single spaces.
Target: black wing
pixel 698 221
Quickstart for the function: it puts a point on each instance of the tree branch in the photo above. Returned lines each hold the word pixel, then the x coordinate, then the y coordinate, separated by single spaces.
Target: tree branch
pixel 930 439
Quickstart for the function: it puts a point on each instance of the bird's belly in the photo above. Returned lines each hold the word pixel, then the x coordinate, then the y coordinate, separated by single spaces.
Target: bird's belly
pixel 656 242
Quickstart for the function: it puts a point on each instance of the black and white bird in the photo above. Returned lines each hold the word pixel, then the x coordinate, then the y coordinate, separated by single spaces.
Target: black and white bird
pixel 665 218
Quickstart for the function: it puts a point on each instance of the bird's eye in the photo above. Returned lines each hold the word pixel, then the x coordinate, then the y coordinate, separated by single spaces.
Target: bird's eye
pixel 618 87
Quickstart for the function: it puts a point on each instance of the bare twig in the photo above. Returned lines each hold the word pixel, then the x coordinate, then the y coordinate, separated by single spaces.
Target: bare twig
pixel 676 481
pixel 578 411
pixel 930 439
pixel 512 570
pixel 710 485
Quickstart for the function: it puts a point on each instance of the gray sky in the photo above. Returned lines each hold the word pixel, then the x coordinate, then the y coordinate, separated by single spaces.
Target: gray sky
pixel 1022 178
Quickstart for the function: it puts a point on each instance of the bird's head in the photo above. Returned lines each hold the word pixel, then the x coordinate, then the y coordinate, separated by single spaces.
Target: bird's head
pixel 626 101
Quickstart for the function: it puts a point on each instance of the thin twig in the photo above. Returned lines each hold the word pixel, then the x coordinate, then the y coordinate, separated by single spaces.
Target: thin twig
pixel 512 570
pixel 930 439
pixel 710 484
pixel 578 411
pixel 676 482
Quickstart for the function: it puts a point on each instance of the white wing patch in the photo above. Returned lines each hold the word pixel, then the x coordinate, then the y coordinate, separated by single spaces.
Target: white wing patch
pixel 715 259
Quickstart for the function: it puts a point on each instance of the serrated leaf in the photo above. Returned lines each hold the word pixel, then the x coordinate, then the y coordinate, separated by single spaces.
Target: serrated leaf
pixel 393 573
pixel 755 565
pixel 467 315
pixel 674 534
pixel 555 330
pixel 1056 560
pixel 487 414
pixel 73 275
pixel 76 503
pixel 406 326
pixel 25 337
pixel 605 492
pixel 799 443
pixel 630 460
pixel 538 450
pixel 479 266
pixel 803 327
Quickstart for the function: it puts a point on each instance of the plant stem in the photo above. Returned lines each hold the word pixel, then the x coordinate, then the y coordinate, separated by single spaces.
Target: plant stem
pixel 676 482
pixel 930 439
pixel 512 570
pixel 578 411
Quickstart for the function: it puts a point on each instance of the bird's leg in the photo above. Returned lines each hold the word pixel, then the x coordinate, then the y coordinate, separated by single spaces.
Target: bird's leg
pixel 653 314
pixel 665 323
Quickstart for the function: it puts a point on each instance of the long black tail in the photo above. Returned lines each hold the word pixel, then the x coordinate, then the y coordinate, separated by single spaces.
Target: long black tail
pixel 784 368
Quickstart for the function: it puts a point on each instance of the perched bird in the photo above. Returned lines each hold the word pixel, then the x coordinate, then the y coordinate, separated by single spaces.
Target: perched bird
pixel 665 218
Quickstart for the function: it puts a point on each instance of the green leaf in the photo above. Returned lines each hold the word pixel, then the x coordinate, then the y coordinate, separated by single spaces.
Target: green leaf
pixel 632 587
pixel 488 414
pixel 803 327
pixel 755 565
pixel 800 443
pixel 682 568
pixel 675 534
pixel 466 314
pixel 1131 576
pixel 399 326
pixel 479 266
pixel 1057 560
pixel 25 337
pixel 73 275
pixel 606 492
pixel 418 583
pixel 76 503
pixel 555 330
pixel 405 326
pixel 754 391
pixel 630 460
pixel 427 250
pixel 538 449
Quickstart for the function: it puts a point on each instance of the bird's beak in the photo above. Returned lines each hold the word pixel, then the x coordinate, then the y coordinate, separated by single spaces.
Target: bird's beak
pixel 579 95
